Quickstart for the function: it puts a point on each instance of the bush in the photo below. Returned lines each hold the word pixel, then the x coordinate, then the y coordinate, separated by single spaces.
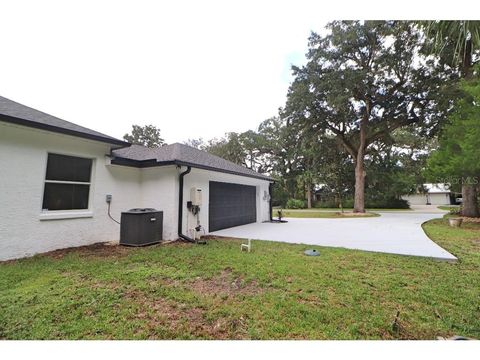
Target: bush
pixel 325 204
pixel 389 203
pixel 456 210
pixel 279 196
pixel 296 204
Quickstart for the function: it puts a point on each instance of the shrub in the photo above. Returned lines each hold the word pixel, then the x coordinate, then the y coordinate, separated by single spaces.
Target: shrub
pixel 325 204
pixel 456 210
pixel 389 203
pixel 279 196
pixel 296 204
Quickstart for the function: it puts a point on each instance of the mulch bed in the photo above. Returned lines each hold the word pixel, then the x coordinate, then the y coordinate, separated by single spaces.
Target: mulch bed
pixel 470 219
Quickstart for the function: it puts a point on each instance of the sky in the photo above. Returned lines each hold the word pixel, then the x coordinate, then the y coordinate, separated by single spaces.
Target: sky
pixel 194 69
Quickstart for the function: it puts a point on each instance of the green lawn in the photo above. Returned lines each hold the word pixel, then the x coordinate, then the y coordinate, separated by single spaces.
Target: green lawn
pixel 448 207
pixel 321 214
pixel 189 291
pixel 336 209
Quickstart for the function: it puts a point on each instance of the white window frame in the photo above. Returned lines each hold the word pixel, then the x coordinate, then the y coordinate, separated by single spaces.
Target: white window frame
pixel 73 213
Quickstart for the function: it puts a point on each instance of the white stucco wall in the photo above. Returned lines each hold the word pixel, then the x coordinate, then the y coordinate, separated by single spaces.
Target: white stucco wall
pixel 200 179
pixel 25 230
pixel 160 191
pixel 23 160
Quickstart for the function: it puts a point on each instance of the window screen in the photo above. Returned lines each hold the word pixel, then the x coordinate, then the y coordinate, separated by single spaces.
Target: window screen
pixel 67 183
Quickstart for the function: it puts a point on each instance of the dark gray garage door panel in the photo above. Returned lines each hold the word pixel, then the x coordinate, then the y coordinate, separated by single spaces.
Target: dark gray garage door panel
pixel 231 205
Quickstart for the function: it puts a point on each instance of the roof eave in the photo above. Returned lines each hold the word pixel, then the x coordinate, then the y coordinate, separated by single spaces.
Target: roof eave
pixel 204 167
pixel 116 160
pixel 41 126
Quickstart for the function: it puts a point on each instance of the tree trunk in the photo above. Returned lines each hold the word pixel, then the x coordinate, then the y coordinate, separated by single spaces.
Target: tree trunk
pixel 467 67
pixel 469 191
pixel 470 203
pixel 309 196
pixel 340 202
pixel 359 204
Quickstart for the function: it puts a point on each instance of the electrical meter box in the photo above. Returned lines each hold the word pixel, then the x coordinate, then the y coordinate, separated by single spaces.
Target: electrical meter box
pixel 196 196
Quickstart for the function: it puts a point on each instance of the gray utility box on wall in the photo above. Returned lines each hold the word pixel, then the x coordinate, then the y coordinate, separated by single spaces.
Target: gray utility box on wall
pixel 140 227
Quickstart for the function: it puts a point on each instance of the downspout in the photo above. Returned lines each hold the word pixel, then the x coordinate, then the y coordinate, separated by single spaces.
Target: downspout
pixel 180 205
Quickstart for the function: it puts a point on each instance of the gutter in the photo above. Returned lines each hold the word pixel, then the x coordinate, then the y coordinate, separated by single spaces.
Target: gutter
pixel 180 205
pixel 254 175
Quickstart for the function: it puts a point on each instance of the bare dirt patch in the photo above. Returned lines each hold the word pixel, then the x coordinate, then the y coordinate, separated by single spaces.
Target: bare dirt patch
pixel 214 237
pixel 161 314
pixel 177 243
pixel 351 213
pixel 94 250
pixel 225 284
pixel 476 243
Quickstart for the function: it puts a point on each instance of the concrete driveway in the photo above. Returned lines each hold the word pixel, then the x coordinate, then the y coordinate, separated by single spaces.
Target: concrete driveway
pixel 392 232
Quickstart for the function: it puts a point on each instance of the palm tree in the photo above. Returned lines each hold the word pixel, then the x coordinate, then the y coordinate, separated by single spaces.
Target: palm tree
pixel 464 38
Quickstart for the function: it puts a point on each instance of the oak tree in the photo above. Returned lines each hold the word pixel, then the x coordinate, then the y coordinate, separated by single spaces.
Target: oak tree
pixel 148 135
pixel 362 81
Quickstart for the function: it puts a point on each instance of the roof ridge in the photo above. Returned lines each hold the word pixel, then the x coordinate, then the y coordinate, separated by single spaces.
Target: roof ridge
pixel 212 155
pixel 176 151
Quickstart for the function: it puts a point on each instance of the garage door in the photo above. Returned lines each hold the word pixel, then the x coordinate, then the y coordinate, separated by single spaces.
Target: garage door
pixel 231 205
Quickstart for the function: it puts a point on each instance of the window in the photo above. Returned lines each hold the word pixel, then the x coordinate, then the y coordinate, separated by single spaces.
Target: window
pixel 67 183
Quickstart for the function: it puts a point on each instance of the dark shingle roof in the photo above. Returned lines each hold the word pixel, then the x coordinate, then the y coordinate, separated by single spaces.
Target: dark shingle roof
pixel 13 112
pixel 135 155
pixel 181 154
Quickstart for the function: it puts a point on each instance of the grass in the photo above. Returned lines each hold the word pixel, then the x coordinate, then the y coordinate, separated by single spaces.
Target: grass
pixel 337 209
pixel 321 214
pixel 184 291
pixel 448 207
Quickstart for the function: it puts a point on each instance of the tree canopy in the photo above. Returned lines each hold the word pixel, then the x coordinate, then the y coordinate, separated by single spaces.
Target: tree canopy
pixel 456 161
pixel 365 112
pixel 364 80
pixel 457 44
pixel 148 135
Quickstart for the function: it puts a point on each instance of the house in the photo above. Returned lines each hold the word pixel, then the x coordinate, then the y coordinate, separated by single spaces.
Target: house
pixel 55 177
pixel 434 194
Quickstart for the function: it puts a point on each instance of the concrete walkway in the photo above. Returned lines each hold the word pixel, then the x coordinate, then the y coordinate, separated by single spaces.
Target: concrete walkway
pixel 392 232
